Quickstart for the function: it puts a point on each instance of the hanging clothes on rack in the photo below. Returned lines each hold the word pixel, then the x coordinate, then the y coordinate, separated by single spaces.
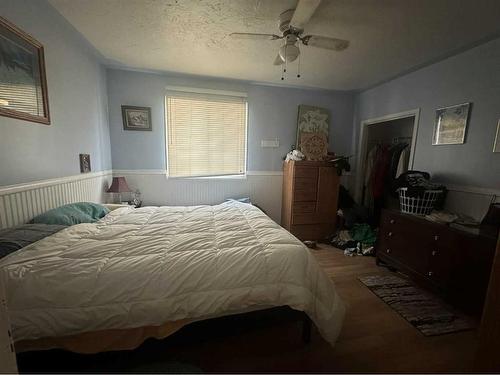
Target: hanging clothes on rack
pixel 404 160
pixel 396 150
pixel 367 181
pixel 380 171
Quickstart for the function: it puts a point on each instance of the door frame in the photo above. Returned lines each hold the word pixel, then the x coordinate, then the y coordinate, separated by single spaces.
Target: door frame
pixel 363 143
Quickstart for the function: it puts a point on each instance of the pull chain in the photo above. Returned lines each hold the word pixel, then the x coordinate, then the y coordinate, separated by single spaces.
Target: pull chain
pixel 298 67
pixel 286 55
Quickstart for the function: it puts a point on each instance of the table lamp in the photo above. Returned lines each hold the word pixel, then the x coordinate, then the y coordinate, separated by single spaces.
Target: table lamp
pixel 119 186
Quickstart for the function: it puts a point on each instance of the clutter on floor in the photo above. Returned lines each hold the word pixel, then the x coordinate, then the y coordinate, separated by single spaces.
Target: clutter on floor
pixel 311 244
pixel 360 240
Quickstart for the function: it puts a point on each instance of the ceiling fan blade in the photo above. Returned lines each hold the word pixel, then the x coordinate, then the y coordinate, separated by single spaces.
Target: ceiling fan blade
pixel 325 42
pixel 254 36
pixel 278 60
pixel 303 12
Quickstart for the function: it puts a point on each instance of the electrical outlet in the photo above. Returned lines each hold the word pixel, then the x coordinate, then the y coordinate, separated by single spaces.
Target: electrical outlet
pixel 270 143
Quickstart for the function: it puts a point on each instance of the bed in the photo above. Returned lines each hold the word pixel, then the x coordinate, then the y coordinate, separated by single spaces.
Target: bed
pixel 146 272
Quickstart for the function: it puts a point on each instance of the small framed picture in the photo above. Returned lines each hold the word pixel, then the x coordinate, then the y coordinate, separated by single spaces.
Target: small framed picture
pixel 136 118
pixel 451 124
pixel 496 145
pixel 85 163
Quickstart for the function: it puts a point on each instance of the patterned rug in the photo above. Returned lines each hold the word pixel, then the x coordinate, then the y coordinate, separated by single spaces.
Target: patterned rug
pixel 426 312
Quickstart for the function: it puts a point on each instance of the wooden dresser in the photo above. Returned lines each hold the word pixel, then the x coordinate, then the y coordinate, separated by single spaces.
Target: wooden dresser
pixel 451 262
pixel 310 194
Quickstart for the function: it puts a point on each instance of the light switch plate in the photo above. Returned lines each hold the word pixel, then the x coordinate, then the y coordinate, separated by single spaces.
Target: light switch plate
pixel 270 143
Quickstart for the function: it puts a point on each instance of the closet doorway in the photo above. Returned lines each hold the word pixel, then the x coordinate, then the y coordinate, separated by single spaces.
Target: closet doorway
pixel 395 131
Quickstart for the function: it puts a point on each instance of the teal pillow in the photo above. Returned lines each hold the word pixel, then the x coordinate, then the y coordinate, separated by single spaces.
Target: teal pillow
pixel 71 214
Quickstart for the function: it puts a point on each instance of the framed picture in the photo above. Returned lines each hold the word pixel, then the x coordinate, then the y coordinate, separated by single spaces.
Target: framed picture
pixel 85 163
pixel 136 118
pixel 23 85
pixel 451 124
pixel 312 120
pixel 496 145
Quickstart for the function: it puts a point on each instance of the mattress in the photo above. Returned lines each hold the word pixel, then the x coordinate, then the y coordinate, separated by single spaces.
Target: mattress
pixel 147 266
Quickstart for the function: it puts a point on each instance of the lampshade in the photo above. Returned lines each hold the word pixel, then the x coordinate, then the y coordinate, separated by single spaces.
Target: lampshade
pixel 119 185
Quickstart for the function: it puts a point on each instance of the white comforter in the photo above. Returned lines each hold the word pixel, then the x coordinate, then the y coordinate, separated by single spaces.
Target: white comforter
pixel 148 266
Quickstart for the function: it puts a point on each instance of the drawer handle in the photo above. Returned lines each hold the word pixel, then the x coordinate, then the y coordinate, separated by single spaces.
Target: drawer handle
pixel 434 252
pixel 430 273
pixel 392 221
pixel 436 238
pixel 390 234
pixel 388 251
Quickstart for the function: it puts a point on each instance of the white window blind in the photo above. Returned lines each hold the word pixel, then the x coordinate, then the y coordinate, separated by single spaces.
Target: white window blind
pixel 206 134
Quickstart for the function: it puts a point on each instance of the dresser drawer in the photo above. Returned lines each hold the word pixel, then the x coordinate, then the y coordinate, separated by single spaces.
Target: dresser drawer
pixel 453 263
pixel 306 172
pixel 305 189
pixel 305 195
pixel 401 240
pixel 312 218
pixel 304 207
pixel 302 183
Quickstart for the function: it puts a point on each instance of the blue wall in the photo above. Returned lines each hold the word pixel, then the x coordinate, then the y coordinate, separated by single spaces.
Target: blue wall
pixel 272 112
pixel 472 76
pixel 80 89
pixel 77 97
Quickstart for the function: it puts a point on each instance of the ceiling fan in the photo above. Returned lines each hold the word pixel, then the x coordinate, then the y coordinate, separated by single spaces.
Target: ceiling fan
pixel 291 26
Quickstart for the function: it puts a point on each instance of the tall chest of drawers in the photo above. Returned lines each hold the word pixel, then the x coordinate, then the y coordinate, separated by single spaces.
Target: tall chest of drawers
pixel 309 201
pixel 451 262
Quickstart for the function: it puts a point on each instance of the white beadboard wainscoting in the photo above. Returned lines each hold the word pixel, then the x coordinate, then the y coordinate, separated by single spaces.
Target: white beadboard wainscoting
pixel 471 201
pixel 262 187
pixel 20 203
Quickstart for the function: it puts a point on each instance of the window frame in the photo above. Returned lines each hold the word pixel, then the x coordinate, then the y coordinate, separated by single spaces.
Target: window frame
pixel 171 92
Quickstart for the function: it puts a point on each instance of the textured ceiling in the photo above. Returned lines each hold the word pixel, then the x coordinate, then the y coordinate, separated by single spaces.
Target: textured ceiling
pixel 191 36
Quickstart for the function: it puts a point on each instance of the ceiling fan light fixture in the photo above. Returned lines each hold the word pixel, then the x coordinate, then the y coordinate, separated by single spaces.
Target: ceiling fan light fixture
pixel 289 52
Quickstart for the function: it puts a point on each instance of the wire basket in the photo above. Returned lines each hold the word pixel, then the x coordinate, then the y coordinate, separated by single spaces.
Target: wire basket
pixel 422 205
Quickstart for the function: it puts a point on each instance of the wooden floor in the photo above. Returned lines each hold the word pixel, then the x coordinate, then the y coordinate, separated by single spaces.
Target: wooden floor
pixel 374 338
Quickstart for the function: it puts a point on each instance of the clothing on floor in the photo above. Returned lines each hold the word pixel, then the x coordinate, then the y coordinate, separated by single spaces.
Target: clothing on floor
pixel 363 233
pixel 359 249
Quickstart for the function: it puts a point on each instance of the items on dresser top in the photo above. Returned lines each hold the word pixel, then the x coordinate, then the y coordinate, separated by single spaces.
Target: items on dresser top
pixel 454 263
pixel 309 201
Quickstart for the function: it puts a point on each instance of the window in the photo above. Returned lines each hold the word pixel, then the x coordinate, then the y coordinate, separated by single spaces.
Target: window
pixel 206 134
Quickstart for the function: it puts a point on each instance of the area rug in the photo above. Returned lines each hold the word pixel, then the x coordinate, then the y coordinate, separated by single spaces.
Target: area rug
pixel 426 312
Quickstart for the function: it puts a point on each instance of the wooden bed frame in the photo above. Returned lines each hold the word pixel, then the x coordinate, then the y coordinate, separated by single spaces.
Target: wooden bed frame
pixel 130 339
pixel 238 324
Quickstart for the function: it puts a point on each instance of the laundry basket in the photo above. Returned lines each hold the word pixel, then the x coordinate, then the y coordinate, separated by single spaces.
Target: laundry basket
pixel 421 205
